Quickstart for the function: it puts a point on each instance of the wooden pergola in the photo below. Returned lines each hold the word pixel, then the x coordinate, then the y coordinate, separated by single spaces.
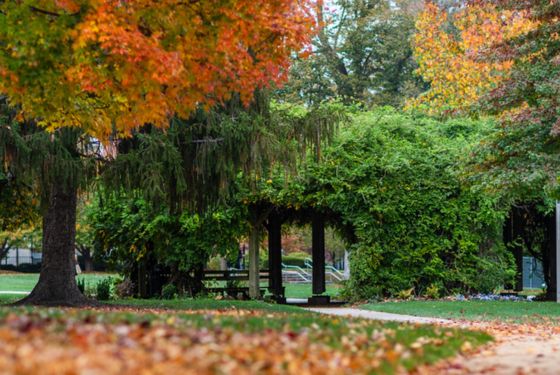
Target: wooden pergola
pixel 150 277
pixel 273 220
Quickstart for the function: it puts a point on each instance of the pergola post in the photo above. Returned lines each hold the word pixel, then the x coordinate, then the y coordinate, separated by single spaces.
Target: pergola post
pixel 555 262
pixel 254 279
pixel 513 226
pixel 275 257
pixel 318 255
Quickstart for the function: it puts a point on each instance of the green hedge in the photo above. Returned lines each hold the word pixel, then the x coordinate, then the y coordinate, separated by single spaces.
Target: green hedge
pixel 295 259
pixel 397 181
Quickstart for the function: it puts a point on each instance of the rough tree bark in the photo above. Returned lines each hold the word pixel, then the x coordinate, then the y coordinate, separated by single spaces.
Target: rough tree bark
pixel 57 282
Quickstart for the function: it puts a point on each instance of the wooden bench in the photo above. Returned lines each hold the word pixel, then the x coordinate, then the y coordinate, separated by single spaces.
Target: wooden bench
pixel 232 275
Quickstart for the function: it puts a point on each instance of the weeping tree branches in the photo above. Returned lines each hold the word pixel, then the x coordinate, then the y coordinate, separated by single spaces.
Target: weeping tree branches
pixel 193 163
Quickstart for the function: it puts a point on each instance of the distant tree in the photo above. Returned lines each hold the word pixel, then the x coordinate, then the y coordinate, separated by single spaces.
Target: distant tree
pixel 523 158
pixel 26 237
pixel 362 54
pixel 448 50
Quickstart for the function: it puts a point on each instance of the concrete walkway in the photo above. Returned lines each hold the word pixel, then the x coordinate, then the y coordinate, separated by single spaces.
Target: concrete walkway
pixel 375 315
pixel 534 349
pixel 523 355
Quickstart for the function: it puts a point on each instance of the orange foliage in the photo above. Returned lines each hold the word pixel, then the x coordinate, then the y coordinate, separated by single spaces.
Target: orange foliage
pixel 110 66
pixel 450 60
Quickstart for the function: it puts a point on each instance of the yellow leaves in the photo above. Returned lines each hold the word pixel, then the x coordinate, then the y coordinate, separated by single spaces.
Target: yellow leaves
pixel 466 347
pixel 452 64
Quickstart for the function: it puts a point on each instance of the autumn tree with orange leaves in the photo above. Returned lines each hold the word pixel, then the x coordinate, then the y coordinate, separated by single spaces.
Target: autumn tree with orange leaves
pixel 449 49
pixel 104 68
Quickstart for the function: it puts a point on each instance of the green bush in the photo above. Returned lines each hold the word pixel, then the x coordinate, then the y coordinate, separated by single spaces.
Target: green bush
pixel 397 182
pixel 432 291
pixel 103 289
pixel 296 258
pixel 169 291
pixel 81 285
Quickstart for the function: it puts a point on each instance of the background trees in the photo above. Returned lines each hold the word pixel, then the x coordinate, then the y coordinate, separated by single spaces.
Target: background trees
pixel 523 157
pixel 362 54
pixel 510 69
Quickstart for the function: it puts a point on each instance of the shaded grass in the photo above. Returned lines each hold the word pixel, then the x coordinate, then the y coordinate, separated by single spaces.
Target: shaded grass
pixel 292 290
pixel 8 298
pixel 521 312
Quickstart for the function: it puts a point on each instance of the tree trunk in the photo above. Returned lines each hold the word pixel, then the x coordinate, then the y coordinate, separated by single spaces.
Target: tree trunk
pixel 57 281
pixel 275 256
pixel 5 249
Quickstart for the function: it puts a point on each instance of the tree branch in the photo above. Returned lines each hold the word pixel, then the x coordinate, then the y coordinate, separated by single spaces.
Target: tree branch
pixel 49 13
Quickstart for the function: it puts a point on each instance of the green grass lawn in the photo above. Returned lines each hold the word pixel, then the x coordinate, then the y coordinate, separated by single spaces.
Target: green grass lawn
pixel 474 310
pixel 304 290
pixel 273 334
pixel 6 298
pixel 24 282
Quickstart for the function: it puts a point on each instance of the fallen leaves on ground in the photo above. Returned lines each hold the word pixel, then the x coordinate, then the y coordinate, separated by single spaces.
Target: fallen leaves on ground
pixel 518 348
pixel 133 341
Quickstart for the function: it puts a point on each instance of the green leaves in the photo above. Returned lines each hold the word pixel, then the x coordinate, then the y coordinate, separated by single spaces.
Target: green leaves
pixel 397 182
pixel 128 228
pixel 362 54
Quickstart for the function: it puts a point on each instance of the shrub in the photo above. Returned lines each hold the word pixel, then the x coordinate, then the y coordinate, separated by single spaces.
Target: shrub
pixel 406 294
pixel 297 258
pixel 169 291
pixel 81 285
pixel 29 268
pixel 23 268
pixel 124 288
pixel 432 291
pixel 103 289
